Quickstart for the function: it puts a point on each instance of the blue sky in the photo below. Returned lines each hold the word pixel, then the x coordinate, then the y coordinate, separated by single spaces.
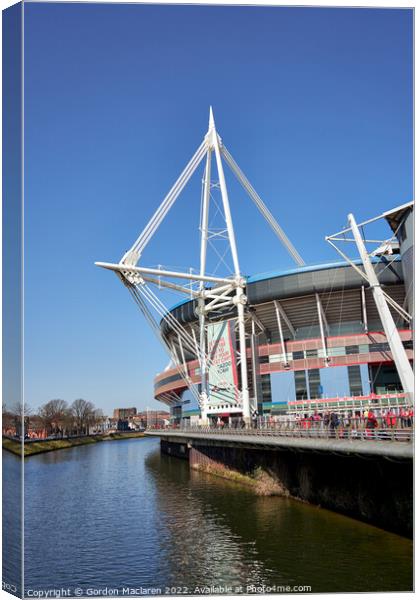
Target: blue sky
pixel 315 104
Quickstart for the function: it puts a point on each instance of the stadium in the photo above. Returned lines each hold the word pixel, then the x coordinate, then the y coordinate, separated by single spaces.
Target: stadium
pixel 300 324
pixel 334 336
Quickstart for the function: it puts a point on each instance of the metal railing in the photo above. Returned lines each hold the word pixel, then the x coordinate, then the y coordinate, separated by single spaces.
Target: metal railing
pixel 351 430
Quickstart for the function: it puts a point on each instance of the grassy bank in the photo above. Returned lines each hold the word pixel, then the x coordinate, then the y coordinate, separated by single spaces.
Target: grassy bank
pixel 261 482
pixel 49 445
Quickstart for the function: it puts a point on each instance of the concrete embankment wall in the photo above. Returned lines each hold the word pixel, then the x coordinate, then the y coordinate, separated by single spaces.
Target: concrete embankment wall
pixel 374 489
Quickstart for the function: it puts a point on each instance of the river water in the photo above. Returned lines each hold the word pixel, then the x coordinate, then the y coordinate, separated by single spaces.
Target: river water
pixel 103 518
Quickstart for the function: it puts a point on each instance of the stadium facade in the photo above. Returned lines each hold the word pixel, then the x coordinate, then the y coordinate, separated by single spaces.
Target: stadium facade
pixel 315 340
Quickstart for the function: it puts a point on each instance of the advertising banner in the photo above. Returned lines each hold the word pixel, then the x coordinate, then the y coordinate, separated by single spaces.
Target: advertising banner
pixel 223 375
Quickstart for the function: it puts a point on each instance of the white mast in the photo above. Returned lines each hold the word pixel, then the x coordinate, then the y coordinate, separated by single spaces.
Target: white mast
pixel 226 291
pixel 203 257
pixel 240 298
pixel 399 354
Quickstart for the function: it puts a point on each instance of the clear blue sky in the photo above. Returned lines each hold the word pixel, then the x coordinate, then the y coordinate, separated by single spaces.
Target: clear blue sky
pixel 314 104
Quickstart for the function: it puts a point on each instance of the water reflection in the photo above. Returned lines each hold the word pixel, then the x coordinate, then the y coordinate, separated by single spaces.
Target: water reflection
pixel 203 548
pixel 12 521
pixel 279 541
pixel 121 514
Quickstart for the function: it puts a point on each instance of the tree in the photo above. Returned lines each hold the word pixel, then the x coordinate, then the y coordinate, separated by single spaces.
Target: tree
pixel 83 412
pixel 54 415
pixel 19 414
pixel 21 409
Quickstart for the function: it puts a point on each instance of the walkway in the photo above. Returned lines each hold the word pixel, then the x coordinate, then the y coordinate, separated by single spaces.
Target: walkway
pixel 396 444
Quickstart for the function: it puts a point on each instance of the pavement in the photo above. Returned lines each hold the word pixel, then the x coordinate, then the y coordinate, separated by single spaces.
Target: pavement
pixel 385 448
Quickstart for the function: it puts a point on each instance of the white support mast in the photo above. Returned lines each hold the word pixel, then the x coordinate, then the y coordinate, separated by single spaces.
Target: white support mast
pixel 322 327
pixel 215 140
pixel 201 302
pixel 240 298
pixel 364 312
pixel 223 292
pixel 399 355
pixel 280 328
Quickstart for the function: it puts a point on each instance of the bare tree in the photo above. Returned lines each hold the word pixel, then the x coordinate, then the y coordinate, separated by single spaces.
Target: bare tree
pixel 19 414
pixel 68 422
pixel 61 419
pixel 83 412
pixel 21 409
pixel 54 415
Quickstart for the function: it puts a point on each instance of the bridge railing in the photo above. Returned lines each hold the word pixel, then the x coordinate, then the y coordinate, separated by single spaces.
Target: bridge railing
pixel 353 429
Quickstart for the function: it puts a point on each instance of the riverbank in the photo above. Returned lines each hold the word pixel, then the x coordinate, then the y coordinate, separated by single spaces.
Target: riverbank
pixel 40 447
pixel 259 480
pixel 380 493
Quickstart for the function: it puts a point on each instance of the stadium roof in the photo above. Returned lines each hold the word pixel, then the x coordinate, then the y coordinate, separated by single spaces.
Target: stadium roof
pixel 286 272
pixel 395 215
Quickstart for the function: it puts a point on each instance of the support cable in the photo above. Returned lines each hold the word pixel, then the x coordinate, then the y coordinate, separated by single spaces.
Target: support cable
pixel 156 329
pixel 388 298
pixel 167 203
pixel 263 208
pixel 177 327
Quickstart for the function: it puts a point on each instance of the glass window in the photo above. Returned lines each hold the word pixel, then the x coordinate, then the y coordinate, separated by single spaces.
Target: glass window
pixel 314 380
pixel 352 349
pixel 355 381
pixel 338 351
pixel 300 385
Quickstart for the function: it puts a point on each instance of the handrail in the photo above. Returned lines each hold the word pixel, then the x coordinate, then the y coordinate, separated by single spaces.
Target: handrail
pixel 338 433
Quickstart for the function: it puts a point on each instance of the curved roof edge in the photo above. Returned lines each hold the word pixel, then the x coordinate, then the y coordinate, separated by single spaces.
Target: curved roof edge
pixel 297 270
pixel 293 271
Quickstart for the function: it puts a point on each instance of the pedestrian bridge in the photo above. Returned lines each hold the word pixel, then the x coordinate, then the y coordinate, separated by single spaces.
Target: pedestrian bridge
pixel 389 443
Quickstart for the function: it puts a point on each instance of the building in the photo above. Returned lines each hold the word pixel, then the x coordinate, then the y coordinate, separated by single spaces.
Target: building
pixel 303 339
pixel 153 418
pixel 124 413
pixel 314 340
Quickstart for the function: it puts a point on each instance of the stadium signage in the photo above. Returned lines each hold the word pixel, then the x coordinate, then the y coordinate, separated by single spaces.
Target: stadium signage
pixel 223 375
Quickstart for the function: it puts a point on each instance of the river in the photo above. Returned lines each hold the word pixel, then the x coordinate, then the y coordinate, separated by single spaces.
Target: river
pixel 103 518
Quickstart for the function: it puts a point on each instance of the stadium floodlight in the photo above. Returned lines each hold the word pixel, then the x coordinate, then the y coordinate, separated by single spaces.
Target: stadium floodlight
pixel 224 292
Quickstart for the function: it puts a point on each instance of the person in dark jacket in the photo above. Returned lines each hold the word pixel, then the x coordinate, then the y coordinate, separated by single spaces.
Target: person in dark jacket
pixel 334 420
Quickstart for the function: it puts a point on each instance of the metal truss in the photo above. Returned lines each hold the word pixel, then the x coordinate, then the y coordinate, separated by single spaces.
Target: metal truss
pixel 381 298
pixel 224 292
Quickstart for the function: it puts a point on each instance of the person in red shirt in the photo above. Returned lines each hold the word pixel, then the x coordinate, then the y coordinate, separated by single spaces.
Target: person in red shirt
pixel 410 417
pixel 372 422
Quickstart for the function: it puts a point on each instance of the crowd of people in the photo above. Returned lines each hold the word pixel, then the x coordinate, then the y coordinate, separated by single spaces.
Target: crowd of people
pixel 338 423
pixel 368 418
pixel 369 422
